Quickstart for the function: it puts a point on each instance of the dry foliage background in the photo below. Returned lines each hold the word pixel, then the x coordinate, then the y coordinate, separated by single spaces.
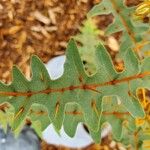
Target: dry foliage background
pixel 37 27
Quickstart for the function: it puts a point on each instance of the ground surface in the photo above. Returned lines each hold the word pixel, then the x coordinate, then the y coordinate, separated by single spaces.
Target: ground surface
pixel 107 144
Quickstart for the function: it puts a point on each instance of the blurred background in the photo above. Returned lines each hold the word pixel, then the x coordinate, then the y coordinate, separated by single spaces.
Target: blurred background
pixel 44 27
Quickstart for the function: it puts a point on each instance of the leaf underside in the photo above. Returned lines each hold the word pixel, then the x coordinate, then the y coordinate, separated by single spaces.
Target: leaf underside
pixel 107 96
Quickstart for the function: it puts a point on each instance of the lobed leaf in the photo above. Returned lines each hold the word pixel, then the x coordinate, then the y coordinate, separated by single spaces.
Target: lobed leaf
pixel 77 91
pixel 133 31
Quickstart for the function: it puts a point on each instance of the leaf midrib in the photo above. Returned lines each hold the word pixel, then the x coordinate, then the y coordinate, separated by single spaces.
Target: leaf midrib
pixel 130 33
pixel 91 87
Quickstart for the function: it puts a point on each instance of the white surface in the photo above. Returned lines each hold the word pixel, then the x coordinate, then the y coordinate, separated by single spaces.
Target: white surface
pixel 55 67
pixel 82 138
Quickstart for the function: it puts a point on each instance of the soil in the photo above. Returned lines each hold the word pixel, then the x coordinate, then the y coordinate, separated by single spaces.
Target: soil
pixel 106 144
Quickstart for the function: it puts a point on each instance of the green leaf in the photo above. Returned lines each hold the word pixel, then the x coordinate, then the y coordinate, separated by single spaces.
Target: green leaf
pixel 88 39
pixel 73 116
pixel 40 120
pixel 115 114
pixel 76 91
pixel 123 21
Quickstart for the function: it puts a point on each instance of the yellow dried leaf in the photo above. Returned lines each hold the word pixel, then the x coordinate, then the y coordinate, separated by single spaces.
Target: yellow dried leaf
pixel 14 29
